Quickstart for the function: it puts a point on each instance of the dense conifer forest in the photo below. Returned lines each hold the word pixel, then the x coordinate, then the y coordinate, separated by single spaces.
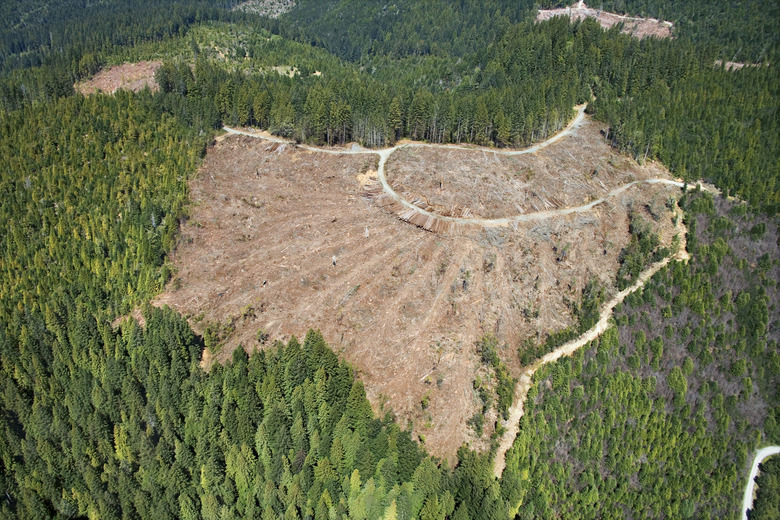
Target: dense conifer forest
pixel 106 418
pixel 655 418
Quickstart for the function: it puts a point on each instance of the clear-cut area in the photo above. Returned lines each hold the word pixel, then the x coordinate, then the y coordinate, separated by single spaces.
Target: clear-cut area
pixel 281 239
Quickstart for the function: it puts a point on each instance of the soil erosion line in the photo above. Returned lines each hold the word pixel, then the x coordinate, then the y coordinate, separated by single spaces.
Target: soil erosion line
pixel 525 381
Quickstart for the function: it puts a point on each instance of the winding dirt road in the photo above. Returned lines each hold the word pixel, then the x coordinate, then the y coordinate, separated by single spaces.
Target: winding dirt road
pixel 525 381
pixel 384 155
pixel 575 123
pixel 747 499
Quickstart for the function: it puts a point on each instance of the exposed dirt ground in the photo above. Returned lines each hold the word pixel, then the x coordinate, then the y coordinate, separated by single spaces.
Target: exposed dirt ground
pixel 405 306
pixel 635 26
pixel 130 76
pixel 493 186
pixel 525 381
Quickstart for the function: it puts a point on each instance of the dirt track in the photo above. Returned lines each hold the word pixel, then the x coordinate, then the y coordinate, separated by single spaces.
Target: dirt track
pixel 525 380
pixel 385 154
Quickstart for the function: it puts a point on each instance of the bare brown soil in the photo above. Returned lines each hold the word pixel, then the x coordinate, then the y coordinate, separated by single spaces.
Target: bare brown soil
pixel 582 168
pixel 635 26
pixel 405 306
pixel 129 76
pixel 136 314
pixel 525 381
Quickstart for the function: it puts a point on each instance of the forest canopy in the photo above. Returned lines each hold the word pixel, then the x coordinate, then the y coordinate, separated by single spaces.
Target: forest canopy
pixel 107 417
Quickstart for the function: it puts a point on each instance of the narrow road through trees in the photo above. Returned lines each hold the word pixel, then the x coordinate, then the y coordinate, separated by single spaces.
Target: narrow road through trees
pixel 524 383
pixel 747 499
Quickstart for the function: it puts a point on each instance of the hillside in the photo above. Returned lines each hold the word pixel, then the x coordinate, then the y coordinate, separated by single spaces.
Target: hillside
pixel 684 385
pixel 482 266
pixel 633 25
pixel 282 239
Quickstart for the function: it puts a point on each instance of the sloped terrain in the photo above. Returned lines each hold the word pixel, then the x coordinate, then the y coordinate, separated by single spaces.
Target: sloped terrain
pixel 635 26
pixel 129 76
pixel 270 8
pixel 281 239
pixel 495 185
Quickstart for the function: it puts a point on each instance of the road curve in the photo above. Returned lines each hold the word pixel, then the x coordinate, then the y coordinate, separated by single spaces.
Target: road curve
pixel 384 155
pixel 575 123
pixel 525 381
pixel 747 499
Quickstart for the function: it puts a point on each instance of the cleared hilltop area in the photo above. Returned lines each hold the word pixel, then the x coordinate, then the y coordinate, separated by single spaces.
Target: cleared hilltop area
pixel 635 26
pixel 282 238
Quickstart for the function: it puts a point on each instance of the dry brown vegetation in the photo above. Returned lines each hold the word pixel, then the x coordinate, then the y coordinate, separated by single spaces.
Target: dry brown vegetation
pixel 405 306
pixel 635 26
pixel 494 186
pixel 129 76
